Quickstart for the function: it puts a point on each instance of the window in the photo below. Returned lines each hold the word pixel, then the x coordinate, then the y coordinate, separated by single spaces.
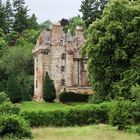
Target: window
pixel 37 70
pixel 62 68
pixel 36 84
pixel 63 82
pixel 36 59
pixel 63 56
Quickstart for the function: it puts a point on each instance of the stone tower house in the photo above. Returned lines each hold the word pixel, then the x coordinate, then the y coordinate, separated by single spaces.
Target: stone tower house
pixel 58 53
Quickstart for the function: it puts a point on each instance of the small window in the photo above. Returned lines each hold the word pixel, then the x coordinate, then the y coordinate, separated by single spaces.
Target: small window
pixel 63 82
pixel 36 59
pixel 36 84
pixel 37 70
pixel 63 56
pixel 62 68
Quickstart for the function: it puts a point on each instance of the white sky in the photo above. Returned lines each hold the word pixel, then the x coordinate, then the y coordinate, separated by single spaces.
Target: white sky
pixel 53 10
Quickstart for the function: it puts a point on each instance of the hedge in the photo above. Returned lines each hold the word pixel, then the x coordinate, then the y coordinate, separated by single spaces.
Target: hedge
pixel 88 114
pixel 67 97
pixel 80 115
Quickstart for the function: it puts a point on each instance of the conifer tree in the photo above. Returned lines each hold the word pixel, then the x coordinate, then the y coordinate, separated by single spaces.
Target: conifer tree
pixel 14 89
pixel 9 17
pixel 49 93
pixel 2 16
pixel 32 22
pixel 20 15
pixel 92 9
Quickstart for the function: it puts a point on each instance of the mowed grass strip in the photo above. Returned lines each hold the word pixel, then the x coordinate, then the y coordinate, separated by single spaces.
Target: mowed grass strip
pixel 93 132
pixel 35 106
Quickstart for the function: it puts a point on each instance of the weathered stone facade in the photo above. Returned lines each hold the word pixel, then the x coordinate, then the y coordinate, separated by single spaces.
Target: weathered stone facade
pixel 58 53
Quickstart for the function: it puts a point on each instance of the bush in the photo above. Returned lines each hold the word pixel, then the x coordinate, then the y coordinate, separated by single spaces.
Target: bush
pixel 120 114
pixel 14 125
pixel 3 97
pixel 95 99
pixel 49 93
pixel 9 108
pixel 67 97
pixel 138 130
pixel 79 115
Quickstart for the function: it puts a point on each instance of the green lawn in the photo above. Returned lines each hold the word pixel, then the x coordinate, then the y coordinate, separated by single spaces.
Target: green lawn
pixel 34 106
pixel 92 132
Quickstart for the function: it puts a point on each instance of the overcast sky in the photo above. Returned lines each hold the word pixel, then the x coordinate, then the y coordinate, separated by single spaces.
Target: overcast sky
pixel 53 10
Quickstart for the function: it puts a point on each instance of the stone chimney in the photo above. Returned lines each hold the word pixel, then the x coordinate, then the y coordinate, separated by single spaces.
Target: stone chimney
pixel 79 31
pixel 56 32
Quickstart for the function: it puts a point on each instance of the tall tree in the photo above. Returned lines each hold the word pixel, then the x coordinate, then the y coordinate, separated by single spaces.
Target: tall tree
pixel 113 48
pixel 9 16
pixel 92 9
pixel 14 89
pixel 32 22
pixel 20 15
pixel 2 16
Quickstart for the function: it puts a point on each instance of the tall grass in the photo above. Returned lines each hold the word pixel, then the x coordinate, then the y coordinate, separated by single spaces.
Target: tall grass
pixel 93 132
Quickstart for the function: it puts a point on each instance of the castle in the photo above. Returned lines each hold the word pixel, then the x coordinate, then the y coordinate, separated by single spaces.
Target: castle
pixel 58 53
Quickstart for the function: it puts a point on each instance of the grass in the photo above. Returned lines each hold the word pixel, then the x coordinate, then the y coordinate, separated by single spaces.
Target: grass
pixel 92 132
pixel 35 106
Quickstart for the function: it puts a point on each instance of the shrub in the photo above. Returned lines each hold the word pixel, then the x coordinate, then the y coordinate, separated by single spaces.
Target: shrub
pixel 120 114
pixel 49 93
pixel 14 89
pixel 9 108
pixel 66 97
pixel 14 125
pixel 95 99
pixel 138 130
pixel 3 97
pixel 79 115
pixel 136 93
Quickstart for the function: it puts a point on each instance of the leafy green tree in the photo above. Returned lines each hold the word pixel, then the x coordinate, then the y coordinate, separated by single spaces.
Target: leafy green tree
pixel 74 22
pixel 49 93
pixel 14 89
pixel 113 48
pixel 20 15
pixel 92 9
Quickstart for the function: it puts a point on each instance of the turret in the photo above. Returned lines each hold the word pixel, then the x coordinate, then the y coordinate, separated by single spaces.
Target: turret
pixel 41 54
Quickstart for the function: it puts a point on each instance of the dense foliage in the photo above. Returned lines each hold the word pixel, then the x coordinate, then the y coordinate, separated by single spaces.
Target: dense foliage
pixel 12 125
pixel 18 35
pixel 121 114
pixel 113 48
pixel 49 93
